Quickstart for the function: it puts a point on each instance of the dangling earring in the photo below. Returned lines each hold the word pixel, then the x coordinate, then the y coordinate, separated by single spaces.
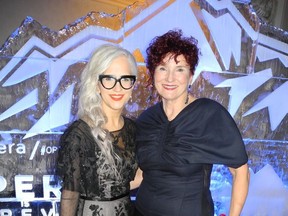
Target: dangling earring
pixel 187 98
pixel 130 100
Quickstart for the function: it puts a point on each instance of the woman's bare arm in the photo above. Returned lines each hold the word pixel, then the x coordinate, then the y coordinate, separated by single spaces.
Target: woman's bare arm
pixel 69 203
pixel 241 177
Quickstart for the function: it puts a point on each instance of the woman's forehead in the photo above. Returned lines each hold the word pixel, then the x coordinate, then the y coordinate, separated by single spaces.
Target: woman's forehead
pixel 170 58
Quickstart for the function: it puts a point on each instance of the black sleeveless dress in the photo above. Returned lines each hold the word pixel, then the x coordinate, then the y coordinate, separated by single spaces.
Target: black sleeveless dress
pixel 177 157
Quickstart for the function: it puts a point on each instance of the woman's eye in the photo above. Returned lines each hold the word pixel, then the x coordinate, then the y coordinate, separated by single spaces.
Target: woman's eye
pixel 126 79
pixel 182 69
pixel 107 78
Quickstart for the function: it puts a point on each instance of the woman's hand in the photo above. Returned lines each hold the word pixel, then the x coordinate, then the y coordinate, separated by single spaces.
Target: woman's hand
pixel 137 180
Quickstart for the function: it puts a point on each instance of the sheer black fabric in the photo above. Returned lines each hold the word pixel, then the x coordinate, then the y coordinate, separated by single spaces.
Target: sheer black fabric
pixel 82 168
pixel 177 157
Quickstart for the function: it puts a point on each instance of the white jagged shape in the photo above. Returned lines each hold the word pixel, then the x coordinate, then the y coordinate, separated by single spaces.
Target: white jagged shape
pixel 277 105
pixel 243 86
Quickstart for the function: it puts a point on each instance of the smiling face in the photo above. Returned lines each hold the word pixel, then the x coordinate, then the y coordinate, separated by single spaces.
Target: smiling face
pixel 171 79
pixel 114 99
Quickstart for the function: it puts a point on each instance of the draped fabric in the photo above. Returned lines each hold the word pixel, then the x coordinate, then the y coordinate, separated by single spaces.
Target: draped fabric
pixel 82 168
pixel 177 157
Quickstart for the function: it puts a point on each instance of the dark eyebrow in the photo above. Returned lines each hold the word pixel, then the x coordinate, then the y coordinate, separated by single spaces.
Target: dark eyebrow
pixel 188 66
pixel 108 75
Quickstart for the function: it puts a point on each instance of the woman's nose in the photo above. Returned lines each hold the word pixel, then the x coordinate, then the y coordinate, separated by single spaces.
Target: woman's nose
pixel 170 76
pixel 117 87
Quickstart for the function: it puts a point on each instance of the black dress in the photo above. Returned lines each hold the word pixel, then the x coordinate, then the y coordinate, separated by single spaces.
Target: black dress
pixel 83 169
pixel 177 157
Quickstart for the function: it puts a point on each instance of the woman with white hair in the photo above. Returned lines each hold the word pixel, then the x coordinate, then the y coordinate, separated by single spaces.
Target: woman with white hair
pixel 96 160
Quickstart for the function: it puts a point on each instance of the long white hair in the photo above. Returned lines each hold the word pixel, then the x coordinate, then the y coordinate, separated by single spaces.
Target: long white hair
pixel 89 106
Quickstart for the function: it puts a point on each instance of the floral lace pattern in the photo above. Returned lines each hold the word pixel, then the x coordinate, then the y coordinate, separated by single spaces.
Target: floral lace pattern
pixel 82 168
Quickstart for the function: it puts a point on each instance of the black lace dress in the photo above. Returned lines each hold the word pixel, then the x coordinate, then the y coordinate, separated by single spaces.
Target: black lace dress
pixel 83 169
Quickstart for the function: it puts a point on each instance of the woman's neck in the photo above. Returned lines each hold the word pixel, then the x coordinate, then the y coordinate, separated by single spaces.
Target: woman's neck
pixel 173 108
pixel 114 122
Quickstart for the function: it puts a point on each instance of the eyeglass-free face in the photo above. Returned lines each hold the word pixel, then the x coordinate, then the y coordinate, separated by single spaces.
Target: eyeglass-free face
pixel 109 81
pixel 171 79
